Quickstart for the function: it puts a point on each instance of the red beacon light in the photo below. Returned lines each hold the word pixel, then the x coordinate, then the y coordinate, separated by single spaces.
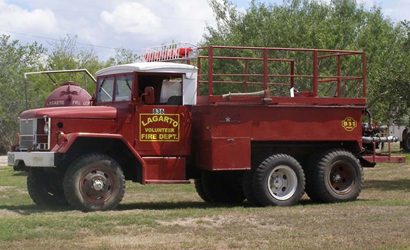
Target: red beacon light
pixel 171 52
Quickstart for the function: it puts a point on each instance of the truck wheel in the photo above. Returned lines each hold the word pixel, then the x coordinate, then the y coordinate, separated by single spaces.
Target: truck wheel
pixel 94 182
pixel 334 177
pixel 45 187
pixel 220 187
pixel 406 142
pixel 200 190
pixel 278 180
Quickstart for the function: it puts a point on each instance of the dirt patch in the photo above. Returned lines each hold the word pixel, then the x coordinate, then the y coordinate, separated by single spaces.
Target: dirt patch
pixel 222 221
pixel 6 188
pixel 10 213
pixel 139 240
pixel 3 161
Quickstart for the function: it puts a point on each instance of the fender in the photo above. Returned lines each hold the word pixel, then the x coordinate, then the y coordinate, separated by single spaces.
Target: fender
pixel 72 137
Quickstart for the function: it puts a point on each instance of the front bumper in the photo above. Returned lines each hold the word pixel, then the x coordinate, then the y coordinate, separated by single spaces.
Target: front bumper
pixel 31 159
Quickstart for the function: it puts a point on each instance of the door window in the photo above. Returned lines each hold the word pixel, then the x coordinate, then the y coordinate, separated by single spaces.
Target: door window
pixel 123 88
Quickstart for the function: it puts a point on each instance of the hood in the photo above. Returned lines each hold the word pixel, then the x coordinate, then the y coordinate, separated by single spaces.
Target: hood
pixel 82 112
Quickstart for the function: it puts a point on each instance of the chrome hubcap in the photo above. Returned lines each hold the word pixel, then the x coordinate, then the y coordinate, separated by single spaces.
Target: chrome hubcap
pixel 282 182
pixel 98 185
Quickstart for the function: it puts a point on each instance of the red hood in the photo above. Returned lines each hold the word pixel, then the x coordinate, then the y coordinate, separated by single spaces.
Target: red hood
pixel 102 112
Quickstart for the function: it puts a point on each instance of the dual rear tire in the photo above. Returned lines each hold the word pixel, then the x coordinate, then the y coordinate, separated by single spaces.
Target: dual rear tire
pixel 278 180
pixel 333 176
pixel 220 187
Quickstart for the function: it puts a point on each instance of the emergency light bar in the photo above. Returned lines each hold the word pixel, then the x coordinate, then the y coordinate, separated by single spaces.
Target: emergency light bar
pixel 170 52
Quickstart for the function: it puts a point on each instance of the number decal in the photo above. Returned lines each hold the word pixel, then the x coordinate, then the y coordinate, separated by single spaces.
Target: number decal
pixel 157 111
pixel 349 124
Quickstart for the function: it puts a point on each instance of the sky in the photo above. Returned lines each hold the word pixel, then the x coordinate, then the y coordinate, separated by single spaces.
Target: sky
pixel 102 25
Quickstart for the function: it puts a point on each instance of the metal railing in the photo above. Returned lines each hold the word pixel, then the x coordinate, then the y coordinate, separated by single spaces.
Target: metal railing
pixel 267 57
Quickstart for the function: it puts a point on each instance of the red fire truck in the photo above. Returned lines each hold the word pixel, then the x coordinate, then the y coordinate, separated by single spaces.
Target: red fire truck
pixel 246 123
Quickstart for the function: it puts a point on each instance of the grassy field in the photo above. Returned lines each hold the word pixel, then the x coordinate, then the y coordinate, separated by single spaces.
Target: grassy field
pixel 173 217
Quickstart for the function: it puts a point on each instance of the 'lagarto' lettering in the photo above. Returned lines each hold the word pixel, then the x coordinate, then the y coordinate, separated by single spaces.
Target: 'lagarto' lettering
pixel 160 118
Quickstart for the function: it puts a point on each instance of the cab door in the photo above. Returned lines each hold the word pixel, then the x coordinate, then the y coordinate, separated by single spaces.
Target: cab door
pixel 163 130
pixel 163 124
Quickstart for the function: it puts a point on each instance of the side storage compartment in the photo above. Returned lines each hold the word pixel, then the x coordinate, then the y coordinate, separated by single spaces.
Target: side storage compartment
pixel 225 153
pixel 165 170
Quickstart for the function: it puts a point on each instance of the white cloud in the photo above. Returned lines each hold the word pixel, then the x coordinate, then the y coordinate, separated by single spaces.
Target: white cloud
pixel 161 21
pixel 37 21
pixel 131 18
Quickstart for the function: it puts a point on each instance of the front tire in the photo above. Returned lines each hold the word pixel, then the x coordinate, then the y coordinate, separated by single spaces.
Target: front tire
pixel 278 180
pixel 45 187
pixel 335 176
pixel 94 182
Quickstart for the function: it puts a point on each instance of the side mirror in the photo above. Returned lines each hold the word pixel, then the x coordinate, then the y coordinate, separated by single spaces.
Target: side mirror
pixel 149 95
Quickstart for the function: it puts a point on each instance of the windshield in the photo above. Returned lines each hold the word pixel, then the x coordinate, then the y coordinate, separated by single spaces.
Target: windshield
pixel 114 88
pixel 123 88
pixel 105 89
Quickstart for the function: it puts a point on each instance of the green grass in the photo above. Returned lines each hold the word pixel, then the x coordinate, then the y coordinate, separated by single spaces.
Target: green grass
pixel 173 217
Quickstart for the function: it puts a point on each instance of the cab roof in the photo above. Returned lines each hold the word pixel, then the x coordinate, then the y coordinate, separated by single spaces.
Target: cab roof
pixel 155 67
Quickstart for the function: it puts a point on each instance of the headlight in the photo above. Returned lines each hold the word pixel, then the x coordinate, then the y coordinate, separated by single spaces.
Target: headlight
pixel 61 138
pixel 46 128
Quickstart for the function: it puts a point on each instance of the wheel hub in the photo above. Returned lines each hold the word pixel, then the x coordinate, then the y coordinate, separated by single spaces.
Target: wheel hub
pixel 278 182
pixel 98 185
pixel 282 182
pixel 341 177
pixel 337 178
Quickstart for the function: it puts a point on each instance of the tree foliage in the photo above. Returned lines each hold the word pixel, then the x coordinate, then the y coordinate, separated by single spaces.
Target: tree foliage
pixel 18 94
pixel 15 59
pixel 340 24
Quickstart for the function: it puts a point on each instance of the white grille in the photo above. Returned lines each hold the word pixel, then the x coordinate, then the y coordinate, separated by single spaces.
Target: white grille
pixel 28 129
pixel 30 138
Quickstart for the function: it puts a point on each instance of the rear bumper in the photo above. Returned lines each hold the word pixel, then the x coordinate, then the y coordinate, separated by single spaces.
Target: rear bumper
pixel 31 159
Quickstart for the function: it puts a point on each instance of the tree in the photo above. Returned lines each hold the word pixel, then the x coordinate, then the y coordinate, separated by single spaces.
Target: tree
pixel 123 56
pixel 340 24
pixel 15 59
pixel 18 94
pixel 66 55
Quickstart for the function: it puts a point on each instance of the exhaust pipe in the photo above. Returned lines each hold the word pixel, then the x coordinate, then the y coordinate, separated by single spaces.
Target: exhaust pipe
pixel 370 139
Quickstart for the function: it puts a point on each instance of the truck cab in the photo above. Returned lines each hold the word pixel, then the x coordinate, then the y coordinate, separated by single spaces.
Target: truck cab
pixel 140 115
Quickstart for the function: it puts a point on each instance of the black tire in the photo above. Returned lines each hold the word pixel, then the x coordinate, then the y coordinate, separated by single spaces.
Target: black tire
pixel 94 182
pixel 278 180
pixel 200 190
pixel 406 142
pixel 45 187
pixel 248 187
pixel 310 179
pixel 335 176
pixel 220 187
